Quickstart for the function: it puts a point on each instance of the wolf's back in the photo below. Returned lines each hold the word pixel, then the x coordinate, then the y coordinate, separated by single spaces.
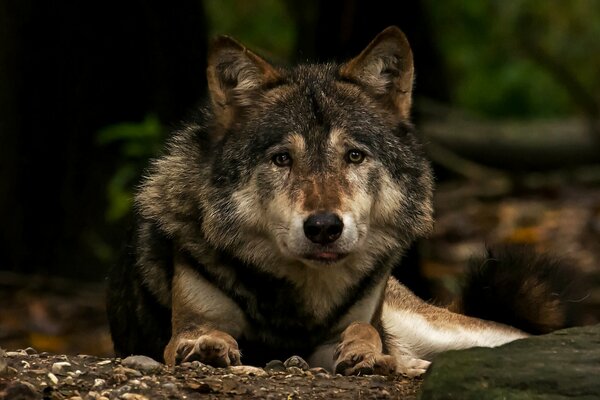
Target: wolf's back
pixel 517 286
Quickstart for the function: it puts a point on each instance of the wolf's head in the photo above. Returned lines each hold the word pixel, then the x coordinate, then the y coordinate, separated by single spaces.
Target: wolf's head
pixel 312 164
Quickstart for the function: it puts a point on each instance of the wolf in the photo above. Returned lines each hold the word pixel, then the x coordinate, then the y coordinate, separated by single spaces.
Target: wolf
pixel 271 225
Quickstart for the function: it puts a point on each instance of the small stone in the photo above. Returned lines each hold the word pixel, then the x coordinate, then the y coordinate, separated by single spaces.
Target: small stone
pixel 133 396
pixel 142 363
pixel 30 351
pixel 60 368
pixel 75 398
pixel 16 353
pixel 105 362
pixel 127 371
pixel 69 380
pixel 295 370
pixel 247 370
pixel 99 382
pixel 275 366
pixel 169 386
pixel 319 370
pixel 53 378
pixel 296 361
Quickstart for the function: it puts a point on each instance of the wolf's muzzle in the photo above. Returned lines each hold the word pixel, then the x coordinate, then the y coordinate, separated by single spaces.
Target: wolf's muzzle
pixel 323 227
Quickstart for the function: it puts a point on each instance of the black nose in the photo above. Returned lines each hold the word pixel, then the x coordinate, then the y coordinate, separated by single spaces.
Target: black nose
pixel 323 228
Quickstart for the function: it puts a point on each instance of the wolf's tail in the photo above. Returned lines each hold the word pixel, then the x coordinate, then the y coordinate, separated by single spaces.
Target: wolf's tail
pixel 516 286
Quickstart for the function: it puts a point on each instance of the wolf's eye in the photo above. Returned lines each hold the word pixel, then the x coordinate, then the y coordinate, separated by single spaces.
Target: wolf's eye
pixel 282 159
pixel 355 156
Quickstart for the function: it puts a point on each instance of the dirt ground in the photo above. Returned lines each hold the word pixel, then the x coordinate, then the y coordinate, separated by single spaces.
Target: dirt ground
pixel 62 318
pixel 33 376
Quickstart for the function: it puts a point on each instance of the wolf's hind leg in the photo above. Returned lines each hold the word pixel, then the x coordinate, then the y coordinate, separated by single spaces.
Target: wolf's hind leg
pixel 360 352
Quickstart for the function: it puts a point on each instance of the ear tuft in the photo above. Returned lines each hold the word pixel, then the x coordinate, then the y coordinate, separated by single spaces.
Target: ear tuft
pixel 234 73
pixel 385 66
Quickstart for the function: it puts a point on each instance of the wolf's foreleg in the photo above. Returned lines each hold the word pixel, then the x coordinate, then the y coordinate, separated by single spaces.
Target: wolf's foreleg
pixel 360 352
pixel 205 321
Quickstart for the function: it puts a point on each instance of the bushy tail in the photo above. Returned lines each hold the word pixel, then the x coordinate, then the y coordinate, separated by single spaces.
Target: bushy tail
pixel 516 286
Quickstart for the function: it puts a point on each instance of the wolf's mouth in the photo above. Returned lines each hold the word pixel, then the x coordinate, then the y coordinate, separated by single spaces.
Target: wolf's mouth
pixel 326 257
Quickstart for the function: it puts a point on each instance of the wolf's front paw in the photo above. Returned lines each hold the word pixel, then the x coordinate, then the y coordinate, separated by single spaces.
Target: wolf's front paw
pixel 215 348
pixel 359 361
pixel 360 353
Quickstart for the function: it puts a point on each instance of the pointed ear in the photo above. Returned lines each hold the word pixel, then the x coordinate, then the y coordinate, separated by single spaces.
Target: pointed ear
pixel 234 73
pixel 386 67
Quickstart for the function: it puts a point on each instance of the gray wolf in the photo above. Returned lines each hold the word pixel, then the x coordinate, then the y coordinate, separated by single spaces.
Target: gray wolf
pixel 272 222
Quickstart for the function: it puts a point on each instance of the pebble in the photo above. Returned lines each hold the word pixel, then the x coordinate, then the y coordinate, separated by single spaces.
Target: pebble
pixel 275 365
pixel 319 370
pixel 171 387
pixel 142 363
pixel 53 378
pixel 247 370
pixel 296 361
pixel 60 368
pixel 16 353
pixel 295 371
pixel 133 396
pixel 99 382
pixel 104 362
pixel 127 371
pixel 30 351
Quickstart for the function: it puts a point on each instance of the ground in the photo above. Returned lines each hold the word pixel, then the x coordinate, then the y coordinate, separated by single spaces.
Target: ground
pixel 27 375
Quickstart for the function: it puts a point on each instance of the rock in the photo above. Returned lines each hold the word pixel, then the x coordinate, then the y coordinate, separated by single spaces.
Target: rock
pixel 127 371
pixel 561 365
pixel 247 370
pixel 30 351
pixel 142 363
pixel 16 353
pixel 275 366
pixel 52 378
pixel 296 361
pixel 319 370
pixel 295 371
pixel 133 396
pixel 60 368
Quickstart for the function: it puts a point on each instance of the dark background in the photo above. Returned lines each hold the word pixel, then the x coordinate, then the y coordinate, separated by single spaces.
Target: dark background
pixel 507 99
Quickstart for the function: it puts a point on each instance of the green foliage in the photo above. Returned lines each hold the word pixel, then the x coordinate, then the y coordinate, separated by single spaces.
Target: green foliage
pixel 263 25
pixel 136 143
pixel 487 46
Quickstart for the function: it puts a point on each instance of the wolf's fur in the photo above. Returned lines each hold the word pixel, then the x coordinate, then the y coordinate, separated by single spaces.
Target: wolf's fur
pixel 222 260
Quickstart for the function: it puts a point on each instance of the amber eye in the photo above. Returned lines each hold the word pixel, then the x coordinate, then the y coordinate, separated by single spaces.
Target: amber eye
pixel 355 156
pixel 282 159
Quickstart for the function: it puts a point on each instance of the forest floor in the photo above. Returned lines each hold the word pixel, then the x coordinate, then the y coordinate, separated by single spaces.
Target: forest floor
pixel 61 318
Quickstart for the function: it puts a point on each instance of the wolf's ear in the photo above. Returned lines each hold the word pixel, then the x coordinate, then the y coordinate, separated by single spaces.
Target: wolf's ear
pixel 234 73
pixel 386 67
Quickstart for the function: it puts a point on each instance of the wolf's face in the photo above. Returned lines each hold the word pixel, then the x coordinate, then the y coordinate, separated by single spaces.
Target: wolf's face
pixel 315 163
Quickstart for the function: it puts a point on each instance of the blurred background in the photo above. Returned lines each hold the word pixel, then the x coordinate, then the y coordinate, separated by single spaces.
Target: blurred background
pixel 507 100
